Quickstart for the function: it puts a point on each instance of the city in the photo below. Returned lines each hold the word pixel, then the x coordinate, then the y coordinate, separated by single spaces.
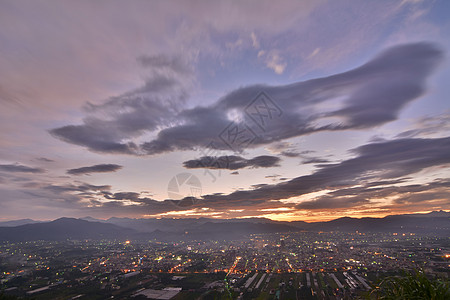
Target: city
pixel 304 265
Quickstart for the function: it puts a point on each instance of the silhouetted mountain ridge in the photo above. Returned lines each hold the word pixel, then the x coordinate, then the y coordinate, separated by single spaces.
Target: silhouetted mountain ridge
pixel 14 223
pixel 437 223
pixel 63 229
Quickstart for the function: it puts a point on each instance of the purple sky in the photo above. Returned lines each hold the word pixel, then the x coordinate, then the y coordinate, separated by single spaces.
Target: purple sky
pixel 305 110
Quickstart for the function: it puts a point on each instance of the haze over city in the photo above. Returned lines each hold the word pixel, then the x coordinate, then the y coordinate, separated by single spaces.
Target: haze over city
pixel 290 110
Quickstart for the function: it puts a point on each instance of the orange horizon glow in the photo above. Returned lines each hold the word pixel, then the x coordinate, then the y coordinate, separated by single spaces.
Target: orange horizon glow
pixel 285 217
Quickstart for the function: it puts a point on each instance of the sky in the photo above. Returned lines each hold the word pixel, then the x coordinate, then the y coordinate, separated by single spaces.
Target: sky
pixel 288 110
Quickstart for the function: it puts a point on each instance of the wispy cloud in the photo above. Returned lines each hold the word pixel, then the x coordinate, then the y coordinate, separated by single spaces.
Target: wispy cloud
pixel 18 168
pixel 101 168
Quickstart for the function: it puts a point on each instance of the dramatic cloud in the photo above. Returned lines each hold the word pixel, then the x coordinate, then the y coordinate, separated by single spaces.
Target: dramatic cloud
pixel 232 162
pixel 377 172
pixel 389 160
pixel 360 196
pixel 110 126
pixel 102 168
pixel 368 96
pixel 17 168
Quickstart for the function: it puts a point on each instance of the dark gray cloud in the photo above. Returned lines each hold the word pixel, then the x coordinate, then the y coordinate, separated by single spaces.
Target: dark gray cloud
pixel 122 196
pixel 232 162
pixel 290 153
pixel 360 196
pixel 374 94
pixel 120 201
pixel 386 182
pixel 315 160
pixel 125 196
pixel 81 187
pixel 44 159
pixel 377 171
pixel 111 126
pixel 66 195
pixel 18 168
pixel 98 139
pixel 99 198
pixel 389 160
pixel 101 168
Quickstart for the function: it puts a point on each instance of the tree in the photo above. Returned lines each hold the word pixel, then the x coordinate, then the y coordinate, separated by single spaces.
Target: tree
pixel 412 286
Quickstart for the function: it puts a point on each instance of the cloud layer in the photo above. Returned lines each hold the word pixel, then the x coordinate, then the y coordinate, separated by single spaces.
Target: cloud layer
pixel 164 79
pixel 368 96
pixel 378 171
pixel 376 161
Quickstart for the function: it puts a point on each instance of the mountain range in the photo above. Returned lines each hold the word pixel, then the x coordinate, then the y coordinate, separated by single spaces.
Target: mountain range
pixel 436 223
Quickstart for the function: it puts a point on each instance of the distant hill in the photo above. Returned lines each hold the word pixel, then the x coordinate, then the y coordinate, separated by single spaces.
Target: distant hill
pixel 436 223
pixel 64 228
pixel 18 222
